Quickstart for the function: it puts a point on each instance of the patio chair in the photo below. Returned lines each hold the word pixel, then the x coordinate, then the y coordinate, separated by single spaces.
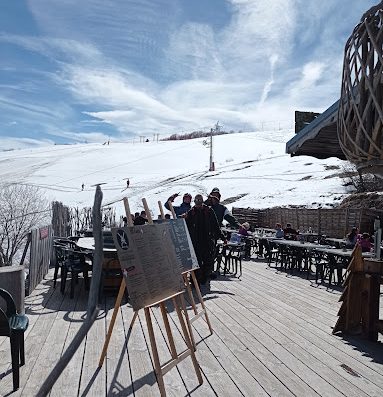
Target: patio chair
pixel 13 325
pixel 60 258
pixel 74 264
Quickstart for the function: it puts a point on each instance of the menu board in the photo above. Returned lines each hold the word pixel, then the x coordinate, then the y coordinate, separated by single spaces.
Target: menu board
pixel 149 263
pixel 183 245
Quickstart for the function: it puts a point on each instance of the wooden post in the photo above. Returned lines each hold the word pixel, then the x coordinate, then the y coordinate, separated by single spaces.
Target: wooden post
pixel 185 332
pixel 172 210
pixel 148 214
pixel 204 311
pixel 112 321
pixel 156 359
pixel 161 210
pixel 120 295
pixel 168 330
pixel 127 211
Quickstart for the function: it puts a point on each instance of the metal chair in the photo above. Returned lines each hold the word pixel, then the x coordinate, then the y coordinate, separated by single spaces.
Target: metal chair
pixel 13 325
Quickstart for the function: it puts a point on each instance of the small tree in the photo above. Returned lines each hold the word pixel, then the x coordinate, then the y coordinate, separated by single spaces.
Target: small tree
pixel 22 208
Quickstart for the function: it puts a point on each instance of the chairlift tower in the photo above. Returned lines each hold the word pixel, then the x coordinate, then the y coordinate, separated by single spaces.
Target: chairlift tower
pixel 216 129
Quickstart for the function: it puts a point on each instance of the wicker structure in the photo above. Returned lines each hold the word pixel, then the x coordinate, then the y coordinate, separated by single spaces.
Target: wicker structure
pixel 360 115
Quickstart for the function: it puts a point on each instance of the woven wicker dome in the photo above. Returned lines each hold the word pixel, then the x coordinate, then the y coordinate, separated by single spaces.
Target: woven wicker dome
pixel 360 116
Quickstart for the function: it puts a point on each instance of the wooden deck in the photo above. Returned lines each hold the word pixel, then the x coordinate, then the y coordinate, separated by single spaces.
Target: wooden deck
pixel 272 338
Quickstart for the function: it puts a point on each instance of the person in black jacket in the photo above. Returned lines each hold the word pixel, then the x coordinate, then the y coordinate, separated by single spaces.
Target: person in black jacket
pixel 204 231
pixel 141 219
pixel 221 212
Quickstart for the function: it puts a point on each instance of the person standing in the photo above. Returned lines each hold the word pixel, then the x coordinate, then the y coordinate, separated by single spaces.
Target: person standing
pixel 127 183
pixel 141 219
pixel 221 212
pixel 180 209
pixel 204 231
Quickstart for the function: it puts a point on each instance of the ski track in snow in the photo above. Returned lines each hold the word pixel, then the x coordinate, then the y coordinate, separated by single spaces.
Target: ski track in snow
pixel 253 165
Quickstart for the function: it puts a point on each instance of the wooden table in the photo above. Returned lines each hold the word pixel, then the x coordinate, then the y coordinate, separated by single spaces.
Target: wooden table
pixel 337 242
pixel 111 268
pixel 338 260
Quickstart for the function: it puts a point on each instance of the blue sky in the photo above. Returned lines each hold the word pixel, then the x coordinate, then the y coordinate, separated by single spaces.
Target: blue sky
pixel 75 71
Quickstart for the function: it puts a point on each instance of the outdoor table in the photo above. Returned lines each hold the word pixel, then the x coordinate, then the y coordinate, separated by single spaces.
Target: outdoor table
pixel 338 259
pixel 337 242
pixel 294 252
pixel 310 236
pixel 87 243
pixel 111 268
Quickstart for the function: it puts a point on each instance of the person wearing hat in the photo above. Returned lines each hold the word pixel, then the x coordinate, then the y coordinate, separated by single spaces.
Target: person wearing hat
pixel 221 212
pixel 204 231
pixel 141 219
pixel 244 229
pixel 182 208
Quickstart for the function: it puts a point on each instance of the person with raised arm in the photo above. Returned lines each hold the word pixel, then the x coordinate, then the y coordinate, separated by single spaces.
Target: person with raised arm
pixel 181 209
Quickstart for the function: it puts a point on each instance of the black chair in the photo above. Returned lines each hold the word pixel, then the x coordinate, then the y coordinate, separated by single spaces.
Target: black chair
pixel 60 258
pixel 74 264
pixel 13 325
pixel 61 245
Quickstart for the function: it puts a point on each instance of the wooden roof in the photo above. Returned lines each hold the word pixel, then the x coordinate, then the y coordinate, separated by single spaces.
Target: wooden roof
pixel 319 138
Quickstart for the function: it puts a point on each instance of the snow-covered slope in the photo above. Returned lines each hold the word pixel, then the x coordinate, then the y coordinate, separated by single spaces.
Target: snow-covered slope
pixel 252 166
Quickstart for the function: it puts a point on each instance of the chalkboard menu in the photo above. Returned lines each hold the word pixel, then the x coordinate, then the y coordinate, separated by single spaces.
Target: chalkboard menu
pixel 107 239
pixel 149 262
pixel 183 245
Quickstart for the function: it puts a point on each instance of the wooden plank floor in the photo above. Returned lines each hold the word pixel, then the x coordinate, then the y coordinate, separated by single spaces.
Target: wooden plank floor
pixel 272 337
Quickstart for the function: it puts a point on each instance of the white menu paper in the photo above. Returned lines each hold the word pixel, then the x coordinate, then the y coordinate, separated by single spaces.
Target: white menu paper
pixel 149 262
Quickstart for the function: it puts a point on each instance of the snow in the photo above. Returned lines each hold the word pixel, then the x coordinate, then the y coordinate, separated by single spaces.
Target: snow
pixel 254 165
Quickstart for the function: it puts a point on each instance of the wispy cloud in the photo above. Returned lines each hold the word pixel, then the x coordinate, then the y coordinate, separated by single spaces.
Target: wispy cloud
pixel 101 68
pixel 10 143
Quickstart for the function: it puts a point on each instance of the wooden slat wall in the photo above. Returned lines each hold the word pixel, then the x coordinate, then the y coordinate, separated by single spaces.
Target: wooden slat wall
pixel 40 254
pixel 60 219
pixel 331 222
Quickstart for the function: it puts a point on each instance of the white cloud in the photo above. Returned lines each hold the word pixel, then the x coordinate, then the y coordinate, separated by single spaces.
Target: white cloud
pixel 9 143
pixel 142 67
pixel 55 47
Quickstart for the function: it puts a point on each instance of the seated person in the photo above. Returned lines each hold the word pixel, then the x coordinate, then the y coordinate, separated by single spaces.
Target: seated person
pixel 352 238
pixel 244 229
pixel 289 232
pixel 279 233
pixel 264 243
pixel 364 241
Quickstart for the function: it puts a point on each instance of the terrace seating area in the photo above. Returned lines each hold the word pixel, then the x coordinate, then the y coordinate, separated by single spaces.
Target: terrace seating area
pixel 272 336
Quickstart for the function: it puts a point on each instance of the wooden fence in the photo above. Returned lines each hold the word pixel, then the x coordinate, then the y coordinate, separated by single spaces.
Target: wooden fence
pixel 40 241
pixel 67 221
pixel 331 222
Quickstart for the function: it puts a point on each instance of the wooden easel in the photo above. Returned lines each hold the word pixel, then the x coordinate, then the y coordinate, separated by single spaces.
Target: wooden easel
pixel 190 274
pixel 179 304
pixel 359 312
